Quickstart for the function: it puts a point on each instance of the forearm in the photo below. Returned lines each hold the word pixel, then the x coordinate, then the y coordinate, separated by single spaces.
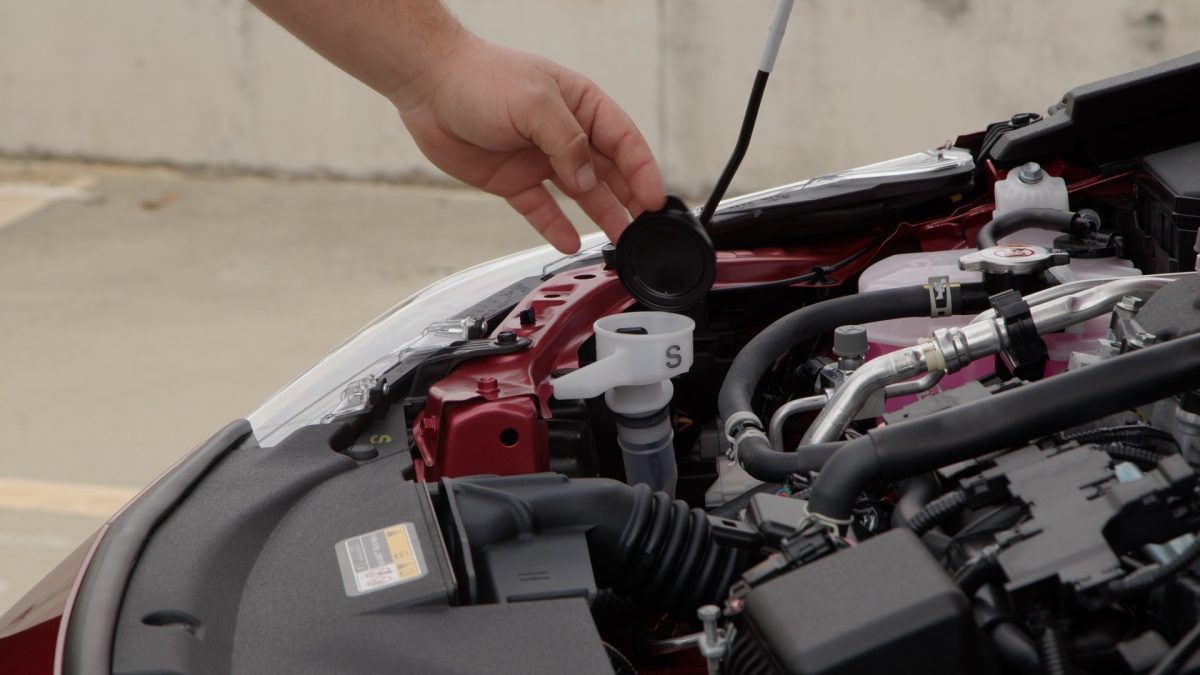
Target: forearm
pixel 392 46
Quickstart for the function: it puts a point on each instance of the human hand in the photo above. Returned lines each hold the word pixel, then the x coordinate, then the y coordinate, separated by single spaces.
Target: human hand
pixel 506 121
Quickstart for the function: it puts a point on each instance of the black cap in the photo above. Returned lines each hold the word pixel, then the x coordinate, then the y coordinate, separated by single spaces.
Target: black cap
pixel 665 259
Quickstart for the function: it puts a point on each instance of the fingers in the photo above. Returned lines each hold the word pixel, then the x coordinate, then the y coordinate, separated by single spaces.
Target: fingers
pixel 604 209
pixel 614 134
pixel 612 177
pixel 543 213
pixel 558 134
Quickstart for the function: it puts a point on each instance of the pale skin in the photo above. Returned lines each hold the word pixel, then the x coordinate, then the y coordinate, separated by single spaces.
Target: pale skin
pixel 498 119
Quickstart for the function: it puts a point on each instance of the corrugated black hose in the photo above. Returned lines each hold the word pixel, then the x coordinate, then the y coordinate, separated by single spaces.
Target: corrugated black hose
pixel 937 512
pixel 642 544
pixel 1132 453
pixel 1131 434
pixel 1052 652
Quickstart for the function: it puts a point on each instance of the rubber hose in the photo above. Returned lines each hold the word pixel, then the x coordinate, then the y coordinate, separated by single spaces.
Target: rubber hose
pixel 1020 219
pixel 937 512
pixel 817 319
pixel 755 454
pixel 1052 652
pixel 1013 645
pixel 1151 577
pixel 1003 420
pixel 915 493
pixel 765 463
pixel 982 570
pixel 642 544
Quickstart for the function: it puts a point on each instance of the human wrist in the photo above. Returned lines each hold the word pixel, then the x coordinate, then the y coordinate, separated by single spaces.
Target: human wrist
pixel 425 66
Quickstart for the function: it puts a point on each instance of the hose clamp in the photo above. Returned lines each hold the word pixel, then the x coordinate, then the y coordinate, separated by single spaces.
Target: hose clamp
pixel 939 296
pixel 746 432
pixel 739 419
pixel 834 525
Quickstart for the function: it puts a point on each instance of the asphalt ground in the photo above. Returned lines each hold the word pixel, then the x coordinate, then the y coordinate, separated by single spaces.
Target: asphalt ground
pixel 142 309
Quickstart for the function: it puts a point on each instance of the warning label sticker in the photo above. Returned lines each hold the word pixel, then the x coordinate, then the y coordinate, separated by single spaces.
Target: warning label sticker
pixel 381 559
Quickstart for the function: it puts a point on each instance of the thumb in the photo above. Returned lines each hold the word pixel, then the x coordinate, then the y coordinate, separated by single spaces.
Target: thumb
pixel 557 133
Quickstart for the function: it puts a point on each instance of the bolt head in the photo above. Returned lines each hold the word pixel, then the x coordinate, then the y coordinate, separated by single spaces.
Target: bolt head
pixel 1031 173
pixel 487 385
pixel 1131 303
pixel 1143 339
pixel 709 613
pixel 1022 119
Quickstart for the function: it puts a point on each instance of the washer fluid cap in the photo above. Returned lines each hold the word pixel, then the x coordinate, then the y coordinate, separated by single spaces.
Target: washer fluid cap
pixel 665 259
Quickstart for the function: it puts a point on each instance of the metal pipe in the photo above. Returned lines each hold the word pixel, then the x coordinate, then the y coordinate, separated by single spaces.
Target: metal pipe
pixel 1061 290
pixel 793 407
pixel 676 644
pixel 909 387
pixel 953 348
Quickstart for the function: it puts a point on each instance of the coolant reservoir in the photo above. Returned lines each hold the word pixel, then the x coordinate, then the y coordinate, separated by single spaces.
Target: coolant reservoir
pixel 1029 186
pixel 909 269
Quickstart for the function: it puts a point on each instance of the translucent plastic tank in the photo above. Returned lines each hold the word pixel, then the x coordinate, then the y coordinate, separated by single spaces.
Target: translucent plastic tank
pixel 908 269
pixel 1029 186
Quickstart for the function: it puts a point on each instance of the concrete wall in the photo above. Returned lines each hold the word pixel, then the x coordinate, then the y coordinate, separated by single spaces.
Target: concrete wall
pixel 213 83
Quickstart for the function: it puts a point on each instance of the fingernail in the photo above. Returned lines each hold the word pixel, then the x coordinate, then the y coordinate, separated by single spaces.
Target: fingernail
pixel 585 178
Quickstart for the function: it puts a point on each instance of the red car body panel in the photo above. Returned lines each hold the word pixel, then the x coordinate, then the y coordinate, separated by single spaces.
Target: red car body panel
pixel 31 631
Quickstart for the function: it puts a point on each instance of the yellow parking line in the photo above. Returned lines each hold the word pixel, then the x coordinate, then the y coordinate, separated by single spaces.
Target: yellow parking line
pixel 76 499
pixel 19 200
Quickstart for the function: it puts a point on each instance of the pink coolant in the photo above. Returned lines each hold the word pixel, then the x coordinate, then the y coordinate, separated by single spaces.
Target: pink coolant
pixel 909 269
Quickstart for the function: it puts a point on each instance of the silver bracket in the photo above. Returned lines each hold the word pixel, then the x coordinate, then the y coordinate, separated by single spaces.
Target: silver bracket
pixel 939 296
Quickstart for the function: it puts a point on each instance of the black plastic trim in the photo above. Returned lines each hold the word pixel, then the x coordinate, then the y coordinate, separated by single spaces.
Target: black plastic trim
pixel 1115 119
pixel 89 640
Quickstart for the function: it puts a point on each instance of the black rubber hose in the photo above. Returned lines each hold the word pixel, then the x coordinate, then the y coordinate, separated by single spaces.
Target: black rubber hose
pixel 937 512
pixel 915 493
pixel 1052 652
pixel 642 544
pixel 983 569
pixel 765 463
pixel 1152 577
pixel 755 454
pixel 804 324
pixel 1021 219
pixel 1004 420
pixel 1013 645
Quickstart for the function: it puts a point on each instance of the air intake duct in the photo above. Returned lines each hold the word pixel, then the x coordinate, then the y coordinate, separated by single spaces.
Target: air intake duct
pixel 540 536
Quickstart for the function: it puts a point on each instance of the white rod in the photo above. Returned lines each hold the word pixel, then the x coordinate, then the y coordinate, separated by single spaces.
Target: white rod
pixel 783 9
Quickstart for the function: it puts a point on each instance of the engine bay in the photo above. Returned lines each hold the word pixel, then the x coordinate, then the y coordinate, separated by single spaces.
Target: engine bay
pixel 937 415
